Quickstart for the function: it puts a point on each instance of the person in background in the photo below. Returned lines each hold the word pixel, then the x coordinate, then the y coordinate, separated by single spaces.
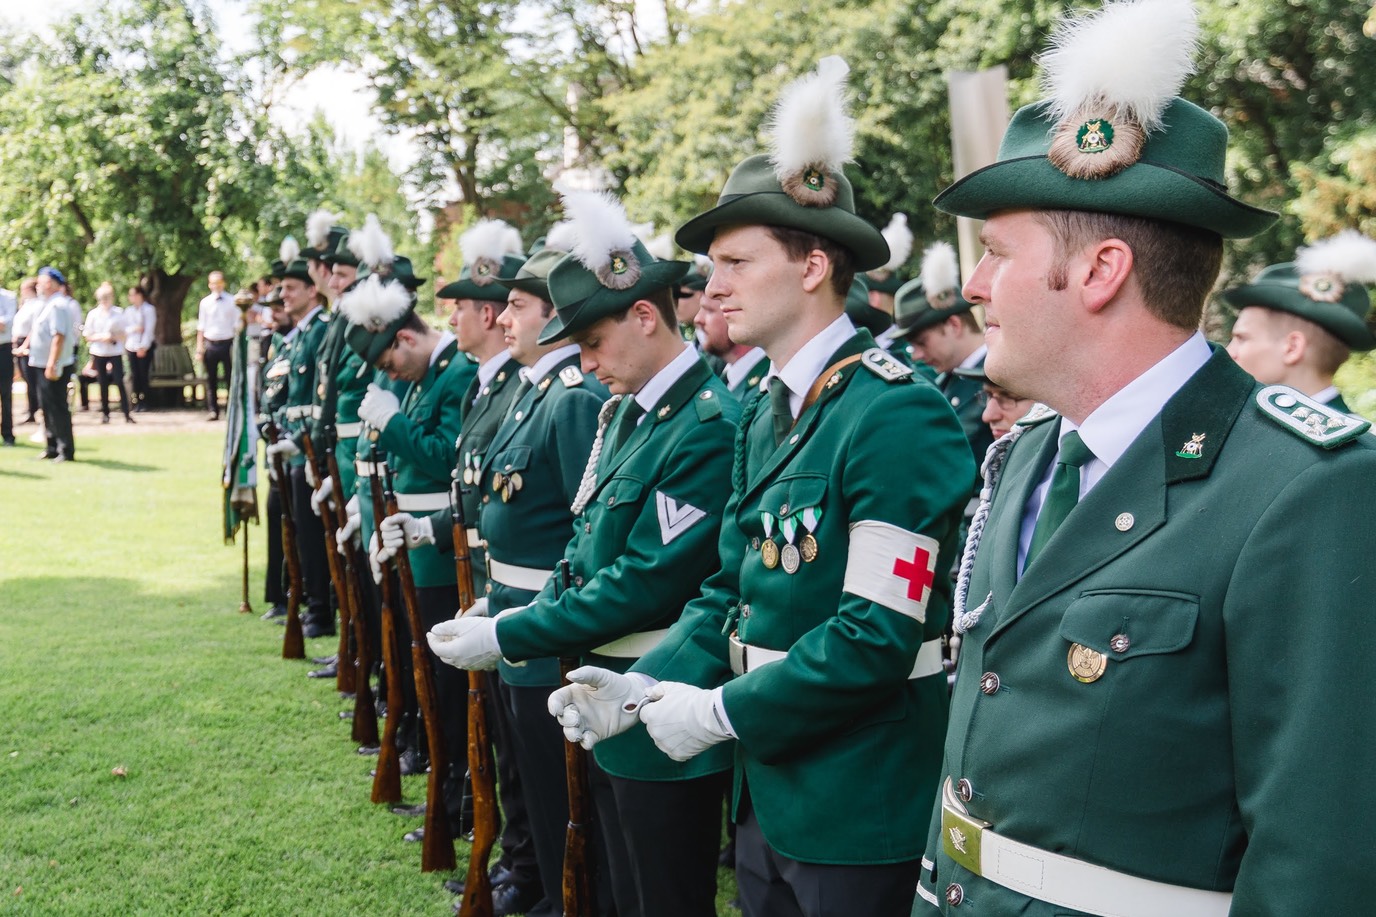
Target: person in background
pixel 140 322
pixel 29 306
pixel 51 352
pixel 1002 408
pixel 218 320
pixel 8 308
pixel 104 333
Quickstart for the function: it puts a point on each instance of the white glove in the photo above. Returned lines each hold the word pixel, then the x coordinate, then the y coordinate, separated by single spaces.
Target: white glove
pixel 374 560
pixel 377 407
pixel 320 497
pixel 285 448
pixel 598 705
pixel 401 527
pixel 310 479
pixel 350 529
pixel 682 719
pixel 477 610
pixel 466 643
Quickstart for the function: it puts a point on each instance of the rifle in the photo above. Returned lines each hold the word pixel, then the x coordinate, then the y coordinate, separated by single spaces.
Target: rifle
pixel 579 900
pixel 437 849
pixel 477 888
pixel 365 708
pixel 344 668
pixel 293 641
pixel 387 776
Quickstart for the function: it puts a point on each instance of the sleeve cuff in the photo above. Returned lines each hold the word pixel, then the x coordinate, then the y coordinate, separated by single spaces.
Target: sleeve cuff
pixel 719 711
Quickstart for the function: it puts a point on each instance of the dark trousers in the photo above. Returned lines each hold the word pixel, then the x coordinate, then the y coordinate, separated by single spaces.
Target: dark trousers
pixel 518 847
pixel 310 548
pixel 436 604
pixel 57 415
pixel 33 379
pixel 110 371
pixel 772 885
pixel 140 369
pixel 651 878
pixel 218 354
pixel 7 392
pixel 274 590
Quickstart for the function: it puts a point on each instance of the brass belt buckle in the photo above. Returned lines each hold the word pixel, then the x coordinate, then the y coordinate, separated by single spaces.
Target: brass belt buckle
pixel 960 837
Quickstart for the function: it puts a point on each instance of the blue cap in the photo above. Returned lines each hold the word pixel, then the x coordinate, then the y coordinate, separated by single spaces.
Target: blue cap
pixel 49 271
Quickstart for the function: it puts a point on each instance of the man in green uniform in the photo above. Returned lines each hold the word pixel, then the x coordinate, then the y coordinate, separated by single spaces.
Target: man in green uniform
pixel 817 644
pixel 1138 726
pixel 943 332
pixel 883 283
pixel 744 367
pixel 276 367
pixel 646 521
pixel 1298 322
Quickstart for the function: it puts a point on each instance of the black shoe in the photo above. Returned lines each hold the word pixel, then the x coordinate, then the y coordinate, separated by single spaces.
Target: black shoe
pixel 104 418
pixel 325 660
pixel 9 441
pixel 501 875
pixel 129 418
pixel 415 835
pixel 727 858
pixel 46 456
pixel 412 762
pixel 214 416
pixel 513 899
pixel 58 459
pixel 415 811
pixel 328 671
pixel 275 612
pixel 368 750
pixel 454 886
pixel 313 630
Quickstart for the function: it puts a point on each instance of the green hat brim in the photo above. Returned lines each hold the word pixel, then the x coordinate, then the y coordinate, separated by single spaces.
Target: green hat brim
pixel 584 313
pixel 889 284
pixel 972 372
pixel 775 208
pixel 1334 317
pixel 370 345
pixel 467 289
pixel 297 270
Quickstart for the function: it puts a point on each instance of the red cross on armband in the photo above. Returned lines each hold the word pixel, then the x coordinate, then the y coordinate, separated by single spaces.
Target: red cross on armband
pixel 879 568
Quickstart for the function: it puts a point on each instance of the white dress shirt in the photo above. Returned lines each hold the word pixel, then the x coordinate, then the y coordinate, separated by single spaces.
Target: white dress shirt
pixel 8 308
pixel 55 318
pixel 660 383
pixel 140 322
pixel 23 319
pixel 487 371
pixel 737 372
pixel 542 366
pixel 218 318
pixel 809 362
pixel 1113 425
pixel 101 321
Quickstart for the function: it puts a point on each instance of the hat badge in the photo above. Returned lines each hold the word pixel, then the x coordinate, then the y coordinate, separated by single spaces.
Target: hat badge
pixel 618 264
pixel 814 180
pixel 621 272
pixel 1322 287
pixel 1094 136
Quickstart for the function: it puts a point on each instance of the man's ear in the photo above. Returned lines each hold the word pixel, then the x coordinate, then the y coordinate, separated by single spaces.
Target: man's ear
pixel 816 270
pixel 646 315
pixel 1101 271
pixel 1294 348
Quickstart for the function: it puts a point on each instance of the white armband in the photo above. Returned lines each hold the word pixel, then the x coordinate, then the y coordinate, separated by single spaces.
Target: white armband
pixel 891 566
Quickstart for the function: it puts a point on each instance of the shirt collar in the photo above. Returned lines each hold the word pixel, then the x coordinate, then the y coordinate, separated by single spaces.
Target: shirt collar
pixel 445 339
pixel 309 315
pixel 807 364
pixel 1325 396
pixel 542 366
pixel 488 371
pixel 975 358
pixel 737 371
pixel 660 382
pixel 1113 425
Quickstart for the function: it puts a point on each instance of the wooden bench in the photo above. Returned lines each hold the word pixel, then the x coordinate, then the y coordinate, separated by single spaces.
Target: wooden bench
pixel 173 370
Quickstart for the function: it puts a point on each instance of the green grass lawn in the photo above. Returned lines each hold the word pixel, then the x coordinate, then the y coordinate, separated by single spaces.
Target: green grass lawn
pixel 121 646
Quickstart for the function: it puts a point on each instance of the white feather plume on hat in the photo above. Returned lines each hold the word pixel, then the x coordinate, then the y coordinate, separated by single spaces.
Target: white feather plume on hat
pixel 1121 65
pixel 289 250
pixel 560 237
pixel 900 239
pixel 375 303
pixel 318 227
pixel 811 134
pixel 604 238
pixel 940 276
pixel 661 246
pixel 371 244
pixel 1350 255
pixel 703 265
pixel 484 245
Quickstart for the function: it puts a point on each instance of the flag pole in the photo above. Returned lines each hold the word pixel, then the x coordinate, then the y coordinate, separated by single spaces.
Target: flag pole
pixel 244 607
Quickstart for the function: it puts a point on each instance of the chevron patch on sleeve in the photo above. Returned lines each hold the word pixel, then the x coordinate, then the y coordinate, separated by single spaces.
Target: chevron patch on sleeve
pixel 675 518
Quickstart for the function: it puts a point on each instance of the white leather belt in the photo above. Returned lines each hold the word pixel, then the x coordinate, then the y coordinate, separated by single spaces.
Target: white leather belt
pixel 526 578
pixel 348 430
pixel 422 503
pixel 632 646
pixel 301 411
pixel 476 541
pixel 1061 880
pixel 745 657
pixel 365 469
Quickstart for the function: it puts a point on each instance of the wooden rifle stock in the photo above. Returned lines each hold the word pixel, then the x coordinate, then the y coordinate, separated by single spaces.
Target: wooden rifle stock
pixel 579 897
pixel 437 849
pixel 387 777
pixel 294 640
pixel 344 667
pixel 365 708
pixel 477 888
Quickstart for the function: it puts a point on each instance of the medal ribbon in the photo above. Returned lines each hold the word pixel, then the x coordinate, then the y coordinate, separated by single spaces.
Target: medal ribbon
pixel 812 517
pixel 767 520
pixel 789 526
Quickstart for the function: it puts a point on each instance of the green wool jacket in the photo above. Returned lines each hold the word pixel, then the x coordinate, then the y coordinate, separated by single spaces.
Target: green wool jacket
pixel 963 394
pixel 839 711
pixel 275 370
pixel 338 391
pixel 419 443
pixel 1228 596
pixel 305 347
pixel 483 411
pixel 641 550
pixel 751 383
pixel 363 446
pixel 528 480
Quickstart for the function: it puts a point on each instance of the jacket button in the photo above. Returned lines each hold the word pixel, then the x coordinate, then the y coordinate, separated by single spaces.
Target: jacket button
pixel 989 683
pixel 964 790
pixel 783 510
pixel 587 528
pixel 745 611
pixel 955 895
pixel 485 498
pixel 578 581
pixel 1119 643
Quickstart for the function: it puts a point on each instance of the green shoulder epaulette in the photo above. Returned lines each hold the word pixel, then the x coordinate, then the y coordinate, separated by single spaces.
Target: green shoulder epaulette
pixel 1039 413
pixel 880 362
pixel 571 376
pixel 1308 419
pixel 708 405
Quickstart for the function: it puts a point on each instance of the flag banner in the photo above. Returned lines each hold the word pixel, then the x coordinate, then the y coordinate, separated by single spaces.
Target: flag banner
pixel 240 480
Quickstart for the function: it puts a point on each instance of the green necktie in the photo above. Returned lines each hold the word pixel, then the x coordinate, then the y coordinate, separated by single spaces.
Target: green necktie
pixel 624 423
pixel 521 390
pixel 1063 494
pixel 780 408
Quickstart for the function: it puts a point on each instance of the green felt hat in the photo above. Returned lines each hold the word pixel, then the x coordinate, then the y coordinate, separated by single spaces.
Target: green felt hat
pixel 1339 308
pixel 399 270
pixel 935 295
pixel 886 278
pixel 583 296
pixel 533 276
pixel 297 270
pixel 485 286
pixel 754 196
pixel 861 313
pixel 972 372
pixel 341 253
pixel 336 236
pixel 376 309
pixel 885 281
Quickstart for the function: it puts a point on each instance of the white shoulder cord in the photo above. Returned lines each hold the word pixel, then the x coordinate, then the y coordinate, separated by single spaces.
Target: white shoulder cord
pixel 589 482
pixel 993 467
